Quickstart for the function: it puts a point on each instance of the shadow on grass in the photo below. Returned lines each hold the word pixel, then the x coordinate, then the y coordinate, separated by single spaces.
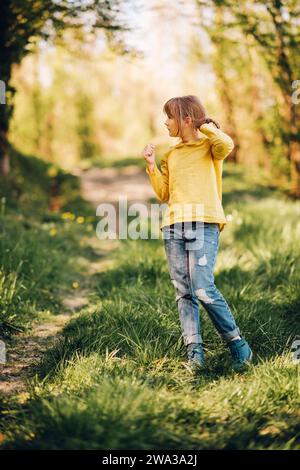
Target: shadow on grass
pixel 245 195
pixel 146 420
pixel 134 312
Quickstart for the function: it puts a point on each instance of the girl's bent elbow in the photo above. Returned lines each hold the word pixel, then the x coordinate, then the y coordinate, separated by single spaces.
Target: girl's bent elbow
pixel 226 151
pixel 230 147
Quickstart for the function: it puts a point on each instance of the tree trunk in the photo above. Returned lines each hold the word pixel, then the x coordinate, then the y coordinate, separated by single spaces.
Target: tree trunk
pixel 295 168
pixel 4 161
pixel 294 151
pixel 4 145
pixel 5 72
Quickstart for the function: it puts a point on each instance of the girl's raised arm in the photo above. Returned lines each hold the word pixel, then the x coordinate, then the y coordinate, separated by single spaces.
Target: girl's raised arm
pixel 221 143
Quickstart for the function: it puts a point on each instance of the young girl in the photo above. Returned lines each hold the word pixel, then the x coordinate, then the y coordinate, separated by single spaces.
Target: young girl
pixel 190 182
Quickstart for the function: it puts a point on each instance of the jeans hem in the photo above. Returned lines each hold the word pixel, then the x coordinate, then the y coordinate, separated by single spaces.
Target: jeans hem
pixel 231 334
pixel 192 339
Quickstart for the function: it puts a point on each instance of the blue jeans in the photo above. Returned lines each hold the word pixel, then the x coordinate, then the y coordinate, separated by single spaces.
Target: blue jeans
pixel 191 249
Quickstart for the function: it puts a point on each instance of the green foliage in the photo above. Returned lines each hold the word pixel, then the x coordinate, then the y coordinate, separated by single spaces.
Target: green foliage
pixel 38 248
pixel 256 61
pixel 24 22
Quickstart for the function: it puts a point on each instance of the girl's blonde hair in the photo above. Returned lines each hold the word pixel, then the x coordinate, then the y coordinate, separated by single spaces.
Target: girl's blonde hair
pixel 180 107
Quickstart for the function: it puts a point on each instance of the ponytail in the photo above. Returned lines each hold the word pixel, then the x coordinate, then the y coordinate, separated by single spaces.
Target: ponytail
pixel 198 124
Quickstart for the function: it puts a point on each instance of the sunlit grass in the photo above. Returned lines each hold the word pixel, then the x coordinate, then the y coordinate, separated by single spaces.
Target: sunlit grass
pixel 39 250
pixel 117 377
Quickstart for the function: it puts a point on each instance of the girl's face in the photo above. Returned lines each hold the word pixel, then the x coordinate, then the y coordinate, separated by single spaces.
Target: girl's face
pixel 171 126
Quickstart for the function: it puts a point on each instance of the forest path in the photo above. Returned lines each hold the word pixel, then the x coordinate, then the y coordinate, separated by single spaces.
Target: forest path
pixel 25 350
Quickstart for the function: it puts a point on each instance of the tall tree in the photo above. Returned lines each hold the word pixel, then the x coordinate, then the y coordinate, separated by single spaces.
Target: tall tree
pixel 274 26
pixel 24 22
pixel 277 33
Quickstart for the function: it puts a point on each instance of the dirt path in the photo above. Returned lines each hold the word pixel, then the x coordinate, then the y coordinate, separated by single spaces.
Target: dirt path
pixel 100 185
pixel 25 350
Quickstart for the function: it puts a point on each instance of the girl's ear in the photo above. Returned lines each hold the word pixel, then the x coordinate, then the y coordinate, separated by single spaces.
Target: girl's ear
pixel 188 120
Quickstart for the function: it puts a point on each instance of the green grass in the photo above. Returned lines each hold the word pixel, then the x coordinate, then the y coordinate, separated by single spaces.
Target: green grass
pixel 116 379
pixel 39 249
pixel 112 162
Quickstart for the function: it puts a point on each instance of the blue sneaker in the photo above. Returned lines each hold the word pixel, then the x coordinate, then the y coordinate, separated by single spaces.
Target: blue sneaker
pixel 241 353
pixel 195 354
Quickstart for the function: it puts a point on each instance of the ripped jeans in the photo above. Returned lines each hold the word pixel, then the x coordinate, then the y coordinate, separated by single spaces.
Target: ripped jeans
pixel 191 249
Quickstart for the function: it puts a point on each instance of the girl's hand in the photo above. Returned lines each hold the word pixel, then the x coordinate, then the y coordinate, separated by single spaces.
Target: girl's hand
pixel 149 154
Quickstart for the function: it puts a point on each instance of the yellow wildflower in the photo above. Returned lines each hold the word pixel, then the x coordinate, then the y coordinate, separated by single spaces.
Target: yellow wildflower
pixel 52 171
pixel 23 397
pixel 66 215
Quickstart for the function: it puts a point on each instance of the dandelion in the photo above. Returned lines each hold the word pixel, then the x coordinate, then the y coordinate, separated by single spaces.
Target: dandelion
pixel 53 232
pixel 75 285
pixel 23 397
pixel 80 220
pixel 66 215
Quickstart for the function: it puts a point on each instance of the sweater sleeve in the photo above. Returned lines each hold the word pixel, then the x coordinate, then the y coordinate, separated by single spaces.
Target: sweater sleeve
pixel 160 179
pixel 221 143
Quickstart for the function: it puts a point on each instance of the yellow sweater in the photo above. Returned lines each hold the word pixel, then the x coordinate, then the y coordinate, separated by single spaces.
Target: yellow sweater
pixel 190 180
